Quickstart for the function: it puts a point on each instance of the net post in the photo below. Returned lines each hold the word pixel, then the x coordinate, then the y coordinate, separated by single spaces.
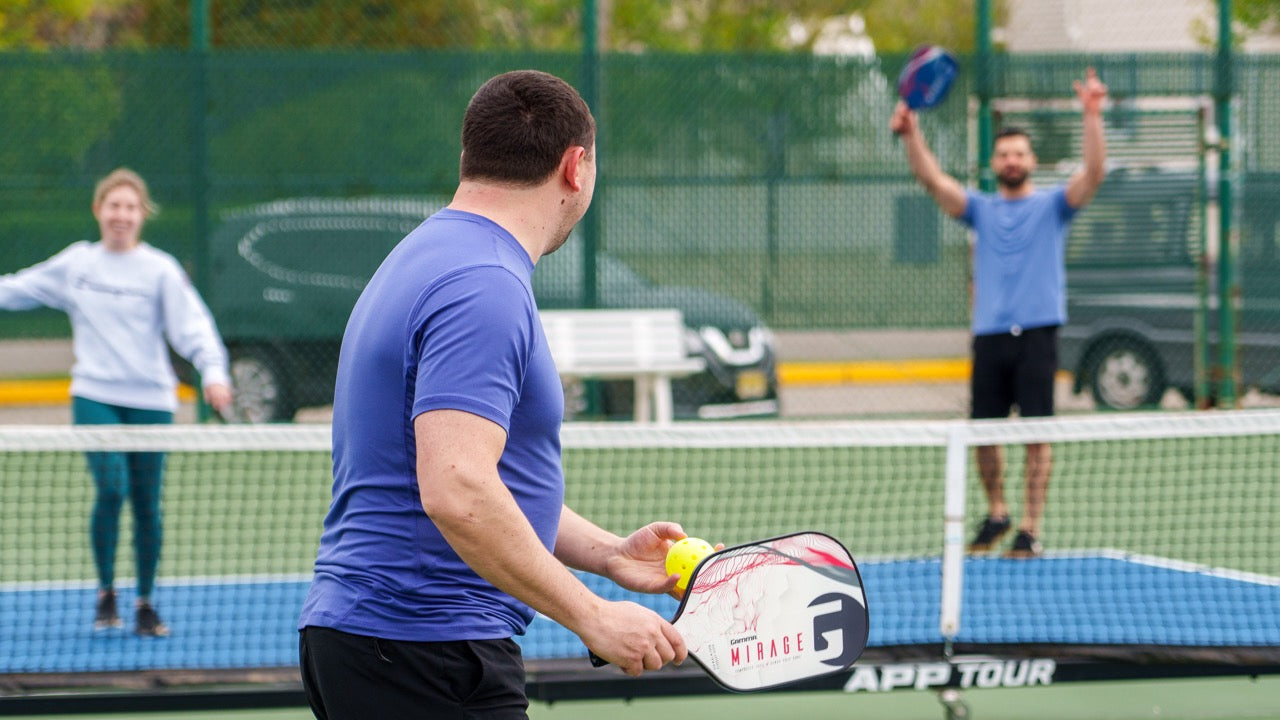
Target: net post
pixel 953 530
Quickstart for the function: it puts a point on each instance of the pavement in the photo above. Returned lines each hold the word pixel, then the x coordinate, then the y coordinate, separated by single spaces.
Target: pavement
pixel 34 384
pixel 822 374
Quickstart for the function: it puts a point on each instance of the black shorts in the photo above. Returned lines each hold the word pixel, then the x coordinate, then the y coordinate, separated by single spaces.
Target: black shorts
pixel 357 676
pixel 1013 370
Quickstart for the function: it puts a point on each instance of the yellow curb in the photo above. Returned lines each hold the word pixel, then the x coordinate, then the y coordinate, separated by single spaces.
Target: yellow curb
pixel 56 391
pixel 874 372
pixel 790 374
pixel 34 392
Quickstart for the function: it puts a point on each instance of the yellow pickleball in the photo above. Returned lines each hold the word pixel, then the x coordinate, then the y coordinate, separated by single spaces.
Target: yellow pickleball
pixel 684 556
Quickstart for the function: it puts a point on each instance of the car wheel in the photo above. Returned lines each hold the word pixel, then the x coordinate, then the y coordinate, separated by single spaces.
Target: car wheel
pixel 1188 394
pixel 262 393
pixel 1125 375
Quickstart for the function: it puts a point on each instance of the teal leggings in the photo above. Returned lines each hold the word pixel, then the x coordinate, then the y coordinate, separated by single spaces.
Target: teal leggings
pixel 117 475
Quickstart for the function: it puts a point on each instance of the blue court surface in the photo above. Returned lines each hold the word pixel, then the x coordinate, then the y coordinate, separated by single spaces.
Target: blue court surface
pixel 1097 598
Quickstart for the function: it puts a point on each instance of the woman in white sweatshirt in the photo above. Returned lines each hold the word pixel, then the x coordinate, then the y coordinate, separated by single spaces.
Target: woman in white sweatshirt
pixel 127 302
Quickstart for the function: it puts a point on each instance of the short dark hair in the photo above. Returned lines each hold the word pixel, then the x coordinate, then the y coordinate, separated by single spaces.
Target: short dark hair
pixel 1011 131
pixel 518 125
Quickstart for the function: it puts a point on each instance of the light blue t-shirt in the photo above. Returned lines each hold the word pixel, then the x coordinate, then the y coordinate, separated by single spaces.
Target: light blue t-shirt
pixel 447 322
pixel 1019 260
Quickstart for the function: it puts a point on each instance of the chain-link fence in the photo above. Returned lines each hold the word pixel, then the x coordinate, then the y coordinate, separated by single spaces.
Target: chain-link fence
pixel 749 191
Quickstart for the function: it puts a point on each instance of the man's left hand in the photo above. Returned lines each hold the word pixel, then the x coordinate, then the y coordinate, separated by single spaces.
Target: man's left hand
pixel 1092 92
pixel 639 563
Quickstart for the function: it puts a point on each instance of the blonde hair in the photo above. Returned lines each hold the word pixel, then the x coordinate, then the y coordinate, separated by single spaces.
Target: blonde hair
pixel 125 176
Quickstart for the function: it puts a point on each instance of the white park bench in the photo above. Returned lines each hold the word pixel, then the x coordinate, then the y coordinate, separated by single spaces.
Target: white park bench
pixel 646 346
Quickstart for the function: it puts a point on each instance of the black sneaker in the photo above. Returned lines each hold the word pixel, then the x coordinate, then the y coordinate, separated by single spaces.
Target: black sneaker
pixel 149 623
pixel 105 615
pixel 1025 545
pixel 989 533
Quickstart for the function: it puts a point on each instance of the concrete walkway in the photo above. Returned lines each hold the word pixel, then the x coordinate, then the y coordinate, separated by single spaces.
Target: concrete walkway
pixel 822 374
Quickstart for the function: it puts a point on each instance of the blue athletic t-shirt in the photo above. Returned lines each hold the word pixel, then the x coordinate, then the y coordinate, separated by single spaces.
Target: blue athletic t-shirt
pixel 1019 260
pixel 447 322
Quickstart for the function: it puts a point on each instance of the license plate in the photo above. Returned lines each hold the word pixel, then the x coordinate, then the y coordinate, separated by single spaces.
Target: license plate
pixel 752 384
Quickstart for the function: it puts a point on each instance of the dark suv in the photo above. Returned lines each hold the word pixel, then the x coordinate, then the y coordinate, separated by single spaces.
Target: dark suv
pixel 1135 307
pixel 287 273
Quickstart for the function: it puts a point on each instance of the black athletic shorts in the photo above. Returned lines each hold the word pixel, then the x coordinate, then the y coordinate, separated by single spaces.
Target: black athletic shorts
pixel 348 676
pixel 1014 369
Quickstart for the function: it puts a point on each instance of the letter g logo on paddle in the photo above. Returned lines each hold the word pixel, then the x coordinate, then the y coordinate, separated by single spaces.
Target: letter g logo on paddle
pixel 842 631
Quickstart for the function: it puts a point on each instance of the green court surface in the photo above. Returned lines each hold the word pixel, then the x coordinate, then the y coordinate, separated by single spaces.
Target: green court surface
pixel 1198 699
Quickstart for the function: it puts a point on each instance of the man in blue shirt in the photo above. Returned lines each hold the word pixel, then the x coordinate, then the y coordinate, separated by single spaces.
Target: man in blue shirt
pixel 448 529
pixel 1019 292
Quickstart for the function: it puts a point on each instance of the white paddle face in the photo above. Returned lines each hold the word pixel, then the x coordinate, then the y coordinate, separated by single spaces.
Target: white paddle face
pixel 774 612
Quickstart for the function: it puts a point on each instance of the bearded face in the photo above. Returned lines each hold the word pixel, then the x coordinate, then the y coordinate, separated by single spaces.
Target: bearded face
pixel 1012 161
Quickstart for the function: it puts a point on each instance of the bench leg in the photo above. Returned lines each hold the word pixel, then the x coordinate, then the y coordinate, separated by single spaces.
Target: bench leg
pixel 662 404
pixel 644 399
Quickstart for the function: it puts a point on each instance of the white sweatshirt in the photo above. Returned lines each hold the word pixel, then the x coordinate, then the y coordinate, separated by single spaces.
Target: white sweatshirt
pixel 123 306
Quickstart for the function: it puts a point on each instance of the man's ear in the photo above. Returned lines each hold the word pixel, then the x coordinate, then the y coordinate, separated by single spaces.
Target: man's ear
pixel 571 166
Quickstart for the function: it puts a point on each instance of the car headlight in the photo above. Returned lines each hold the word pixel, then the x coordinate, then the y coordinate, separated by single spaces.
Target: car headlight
pixel 751 351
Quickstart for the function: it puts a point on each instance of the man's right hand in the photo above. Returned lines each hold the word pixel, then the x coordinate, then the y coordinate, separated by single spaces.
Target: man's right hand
pixel 903 120
pixel 634 638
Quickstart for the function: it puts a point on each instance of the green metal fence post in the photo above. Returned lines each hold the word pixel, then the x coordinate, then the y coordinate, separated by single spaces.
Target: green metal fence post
pixel 1202 359
pixel 590 224
pixel 200 44
pixel 983 88
pixel 1228 282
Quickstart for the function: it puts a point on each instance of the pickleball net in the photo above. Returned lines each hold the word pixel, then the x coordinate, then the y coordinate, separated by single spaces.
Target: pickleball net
pixel 1160 535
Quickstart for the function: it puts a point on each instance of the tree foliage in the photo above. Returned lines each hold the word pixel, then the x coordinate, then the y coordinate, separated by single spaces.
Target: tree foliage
pixel 292 24
pixel 1256 13
pixel 1249 16
pixel 46 24
pixel 698 26
pixel 898 26
pixel 716 25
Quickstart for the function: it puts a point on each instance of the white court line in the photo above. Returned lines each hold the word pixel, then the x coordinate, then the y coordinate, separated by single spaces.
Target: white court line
pixel 1164 563
pixel 1190 567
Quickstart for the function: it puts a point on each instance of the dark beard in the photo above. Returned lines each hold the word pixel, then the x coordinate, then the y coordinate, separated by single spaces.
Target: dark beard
pixel 1013 181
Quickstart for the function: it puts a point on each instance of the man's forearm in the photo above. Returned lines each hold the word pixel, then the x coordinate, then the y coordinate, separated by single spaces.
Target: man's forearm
pixel 583 545
pixel 944 189
pixel 921 160
pixel 1085 182
pixel 1095 145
